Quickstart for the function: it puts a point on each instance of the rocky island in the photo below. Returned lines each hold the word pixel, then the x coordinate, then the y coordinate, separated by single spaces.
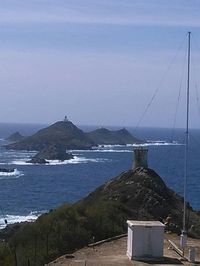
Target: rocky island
pixel 104 136
pixel 53 152
pixel 66 134
pixel 53 141
pixel 62 133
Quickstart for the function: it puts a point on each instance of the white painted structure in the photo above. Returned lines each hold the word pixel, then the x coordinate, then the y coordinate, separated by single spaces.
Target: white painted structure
pixel 145 239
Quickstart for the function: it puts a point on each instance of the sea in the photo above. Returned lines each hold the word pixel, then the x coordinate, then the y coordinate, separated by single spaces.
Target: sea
pixel 35 189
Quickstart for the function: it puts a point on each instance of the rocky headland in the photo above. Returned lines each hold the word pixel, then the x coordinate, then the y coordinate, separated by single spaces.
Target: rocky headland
pixel 138 194
pixel 142 195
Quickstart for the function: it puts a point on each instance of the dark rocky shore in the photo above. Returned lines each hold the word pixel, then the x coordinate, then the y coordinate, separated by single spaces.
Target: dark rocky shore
pixel 53 152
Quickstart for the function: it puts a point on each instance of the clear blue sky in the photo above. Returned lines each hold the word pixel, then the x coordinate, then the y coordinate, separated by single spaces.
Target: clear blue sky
pixel 97 61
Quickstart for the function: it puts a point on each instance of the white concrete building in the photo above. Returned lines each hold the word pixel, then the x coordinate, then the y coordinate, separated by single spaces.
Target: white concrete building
pixel 145 239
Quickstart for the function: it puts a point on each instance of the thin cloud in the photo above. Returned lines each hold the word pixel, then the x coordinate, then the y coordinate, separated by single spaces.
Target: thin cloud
pixel 134 13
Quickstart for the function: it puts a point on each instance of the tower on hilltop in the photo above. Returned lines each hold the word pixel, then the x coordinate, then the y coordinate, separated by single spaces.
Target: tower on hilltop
pixel 65 119
pixel 140 158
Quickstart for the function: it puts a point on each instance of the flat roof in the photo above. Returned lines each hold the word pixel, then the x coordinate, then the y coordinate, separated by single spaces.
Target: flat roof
pixel 144 223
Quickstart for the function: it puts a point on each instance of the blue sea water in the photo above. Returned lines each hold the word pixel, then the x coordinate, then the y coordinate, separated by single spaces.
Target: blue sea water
pixel 34 189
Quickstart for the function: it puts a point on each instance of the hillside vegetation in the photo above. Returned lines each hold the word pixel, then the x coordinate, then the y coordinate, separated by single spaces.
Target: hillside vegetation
pixel 69 136
pixel 139 194
pixel 63 133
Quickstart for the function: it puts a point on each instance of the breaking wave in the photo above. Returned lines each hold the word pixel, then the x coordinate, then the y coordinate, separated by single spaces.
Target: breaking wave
pixel 11 219
pixel 14 174
pixel 156 143
pixel 99 150
pixel 75 160
pixel 125 148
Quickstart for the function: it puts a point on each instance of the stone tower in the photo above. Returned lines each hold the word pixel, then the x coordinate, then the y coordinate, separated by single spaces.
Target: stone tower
pixel 140 158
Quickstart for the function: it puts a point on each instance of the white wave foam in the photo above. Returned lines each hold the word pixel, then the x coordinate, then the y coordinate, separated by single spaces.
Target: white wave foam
pixel 86 160
pixel 110 146
pixel 20 162
pixel 14 174
pixel 111 150
pixel 11 219
pixel 157 143
pixel 118 148
pixel 75 160
pixel 98 150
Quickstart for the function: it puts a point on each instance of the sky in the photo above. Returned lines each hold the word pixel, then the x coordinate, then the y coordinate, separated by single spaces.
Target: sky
pixel 100 62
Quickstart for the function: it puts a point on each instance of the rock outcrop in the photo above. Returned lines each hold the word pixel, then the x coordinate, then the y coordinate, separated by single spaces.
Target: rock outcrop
pixel 53 152
pixel 15 137
pixel 6 170
pixel 144 195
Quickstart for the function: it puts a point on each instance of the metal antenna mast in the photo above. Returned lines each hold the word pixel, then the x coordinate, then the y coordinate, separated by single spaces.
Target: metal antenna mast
pixel 184 233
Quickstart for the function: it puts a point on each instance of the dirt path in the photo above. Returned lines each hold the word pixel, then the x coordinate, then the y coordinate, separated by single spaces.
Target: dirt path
pixel 114 253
